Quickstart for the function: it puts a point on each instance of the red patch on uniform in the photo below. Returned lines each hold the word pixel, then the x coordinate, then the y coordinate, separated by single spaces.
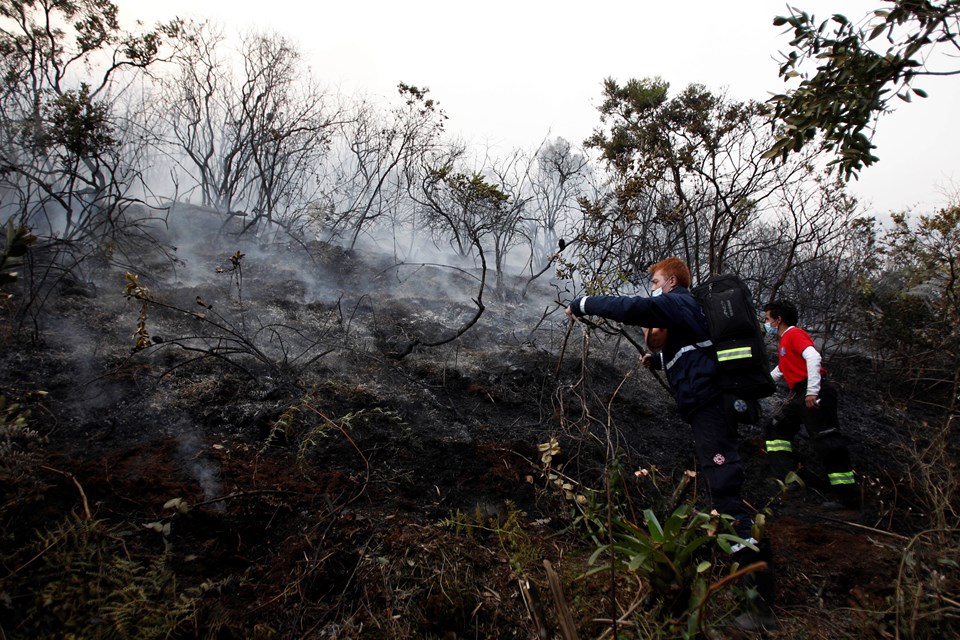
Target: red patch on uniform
pixel 719 459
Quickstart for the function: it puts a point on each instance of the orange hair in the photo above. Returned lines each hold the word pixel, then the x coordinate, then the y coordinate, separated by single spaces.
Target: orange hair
pixel 673 266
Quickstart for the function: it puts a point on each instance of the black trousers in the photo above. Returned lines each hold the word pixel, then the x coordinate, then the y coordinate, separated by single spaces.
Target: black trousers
pixel 718 456
pixel 822 425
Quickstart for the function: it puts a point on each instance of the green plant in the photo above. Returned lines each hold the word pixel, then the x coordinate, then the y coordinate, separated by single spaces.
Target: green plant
pixel 506 525
pixel 676 557
pixel 850 71
pixel 21 455
pixel 78 581
pixel 589 508
pixel 926 586
pixel 287 426
pixel 355 419
pixel 19 240
pixel 16 436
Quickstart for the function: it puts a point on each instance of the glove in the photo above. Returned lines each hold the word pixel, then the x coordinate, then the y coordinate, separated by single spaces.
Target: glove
pixel 576 306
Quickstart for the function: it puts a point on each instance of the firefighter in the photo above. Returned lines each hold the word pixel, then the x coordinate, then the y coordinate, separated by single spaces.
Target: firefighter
pixel 812 402
pixel 692 373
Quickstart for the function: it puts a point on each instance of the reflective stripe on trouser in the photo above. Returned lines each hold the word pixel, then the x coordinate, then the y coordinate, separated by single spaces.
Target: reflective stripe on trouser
pixel 779 445
pixel 837 479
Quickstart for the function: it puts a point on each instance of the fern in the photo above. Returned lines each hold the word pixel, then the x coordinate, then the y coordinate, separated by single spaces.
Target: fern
pixel 86 586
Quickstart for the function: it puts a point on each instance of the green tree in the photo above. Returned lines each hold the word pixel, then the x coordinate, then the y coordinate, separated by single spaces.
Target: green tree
pixel 687 177
pixel 70 155
pixel 60 63
pixel 463 208
pixel 915 306
pixel 860 68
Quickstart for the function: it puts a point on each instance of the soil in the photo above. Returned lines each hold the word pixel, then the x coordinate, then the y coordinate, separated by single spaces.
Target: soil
pixel 272 466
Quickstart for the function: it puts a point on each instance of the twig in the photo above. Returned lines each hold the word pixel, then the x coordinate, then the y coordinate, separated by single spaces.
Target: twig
pixel 531 598
pixel 900 578
pixel 73 478
pixel 567 627
pixel 716 586
pixel 626 614
pixel 864 527
pixel 241 494
pixel 563 349
pixel 623 332
pixel 354 444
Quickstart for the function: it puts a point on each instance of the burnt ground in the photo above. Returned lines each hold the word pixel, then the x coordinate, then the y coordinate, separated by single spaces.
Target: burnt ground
pixel 269 467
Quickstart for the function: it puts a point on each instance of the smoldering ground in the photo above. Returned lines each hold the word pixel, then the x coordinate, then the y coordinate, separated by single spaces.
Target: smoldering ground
pixel 320 489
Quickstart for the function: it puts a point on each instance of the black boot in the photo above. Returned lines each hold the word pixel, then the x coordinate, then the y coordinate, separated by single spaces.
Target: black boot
pixel 844 497
pixel 758 590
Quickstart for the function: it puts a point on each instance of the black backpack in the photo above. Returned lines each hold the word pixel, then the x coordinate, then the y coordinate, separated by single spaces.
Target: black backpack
pixel 742 362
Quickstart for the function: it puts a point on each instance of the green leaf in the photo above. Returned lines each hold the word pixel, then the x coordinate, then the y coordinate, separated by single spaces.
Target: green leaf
pixel 596 570
pixel 653 525
pixel 596 554
pixel 690 547
pixel 675 523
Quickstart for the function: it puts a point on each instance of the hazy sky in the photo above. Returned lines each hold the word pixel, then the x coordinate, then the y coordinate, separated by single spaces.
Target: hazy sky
pixel 509 73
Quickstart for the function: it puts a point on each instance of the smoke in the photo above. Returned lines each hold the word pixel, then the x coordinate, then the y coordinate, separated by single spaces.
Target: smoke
pixel 191 452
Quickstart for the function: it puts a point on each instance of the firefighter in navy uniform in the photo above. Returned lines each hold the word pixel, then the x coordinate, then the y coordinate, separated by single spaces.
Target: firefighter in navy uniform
pixel 691 371
pixel 812 401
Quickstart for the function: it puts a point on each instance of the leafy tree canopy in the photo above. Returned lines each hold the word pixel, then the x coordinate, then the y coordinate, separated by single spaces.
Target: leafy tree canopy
pixel 860 68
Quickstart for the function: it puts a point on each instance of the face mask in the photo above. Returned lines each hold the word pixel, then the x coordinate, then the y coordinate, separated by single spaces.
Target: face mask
pixel 772 330
pixel 656 292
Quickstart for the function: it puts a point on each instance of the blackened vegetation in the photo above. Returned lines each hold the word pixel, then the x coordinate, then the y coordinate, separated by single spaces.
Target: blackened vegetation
pixel 269 470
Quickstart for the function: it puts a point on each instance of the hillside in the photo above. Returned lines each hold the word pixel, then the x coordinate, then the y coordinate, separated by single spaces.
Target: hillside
pixel 284 457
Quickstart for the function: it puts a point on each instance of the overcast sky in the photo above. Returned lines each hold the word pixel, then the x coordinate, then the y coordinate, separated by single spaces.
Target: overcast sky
pixel 509 73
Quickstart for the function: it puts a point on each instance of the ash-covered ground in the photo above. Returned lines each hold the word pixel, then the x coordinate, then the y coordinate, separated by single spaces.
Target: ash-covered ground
pixel 305 449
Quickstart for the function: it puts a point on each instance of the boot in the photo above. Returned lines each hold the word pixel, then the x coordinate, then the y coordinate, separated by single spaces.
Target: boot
pixel 843 498
pixel 758 591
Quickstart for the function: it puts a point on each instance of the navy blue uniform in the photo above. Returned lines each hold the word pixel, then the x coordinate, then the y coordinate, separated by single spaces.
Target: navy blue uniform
pixel 692 375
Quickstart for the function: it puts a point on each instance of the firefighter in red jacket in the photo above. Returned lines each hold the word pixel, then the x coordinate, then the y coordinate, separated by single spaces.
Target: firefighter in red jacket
pixel 812 401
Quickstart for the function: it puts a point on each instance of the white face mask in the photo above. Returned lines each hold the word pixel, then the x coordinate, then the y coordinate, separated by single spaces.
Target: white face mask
pixel 656 292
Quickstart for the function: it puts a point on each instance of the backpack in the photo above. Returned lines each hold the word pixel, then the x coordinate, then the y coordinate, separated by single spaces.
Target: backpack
pixel 743 368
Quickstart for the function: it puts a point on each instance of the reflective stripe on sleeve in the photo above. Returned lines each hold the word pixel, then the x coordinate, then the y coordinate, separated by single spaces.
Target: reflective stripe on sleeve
pixel 689 347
